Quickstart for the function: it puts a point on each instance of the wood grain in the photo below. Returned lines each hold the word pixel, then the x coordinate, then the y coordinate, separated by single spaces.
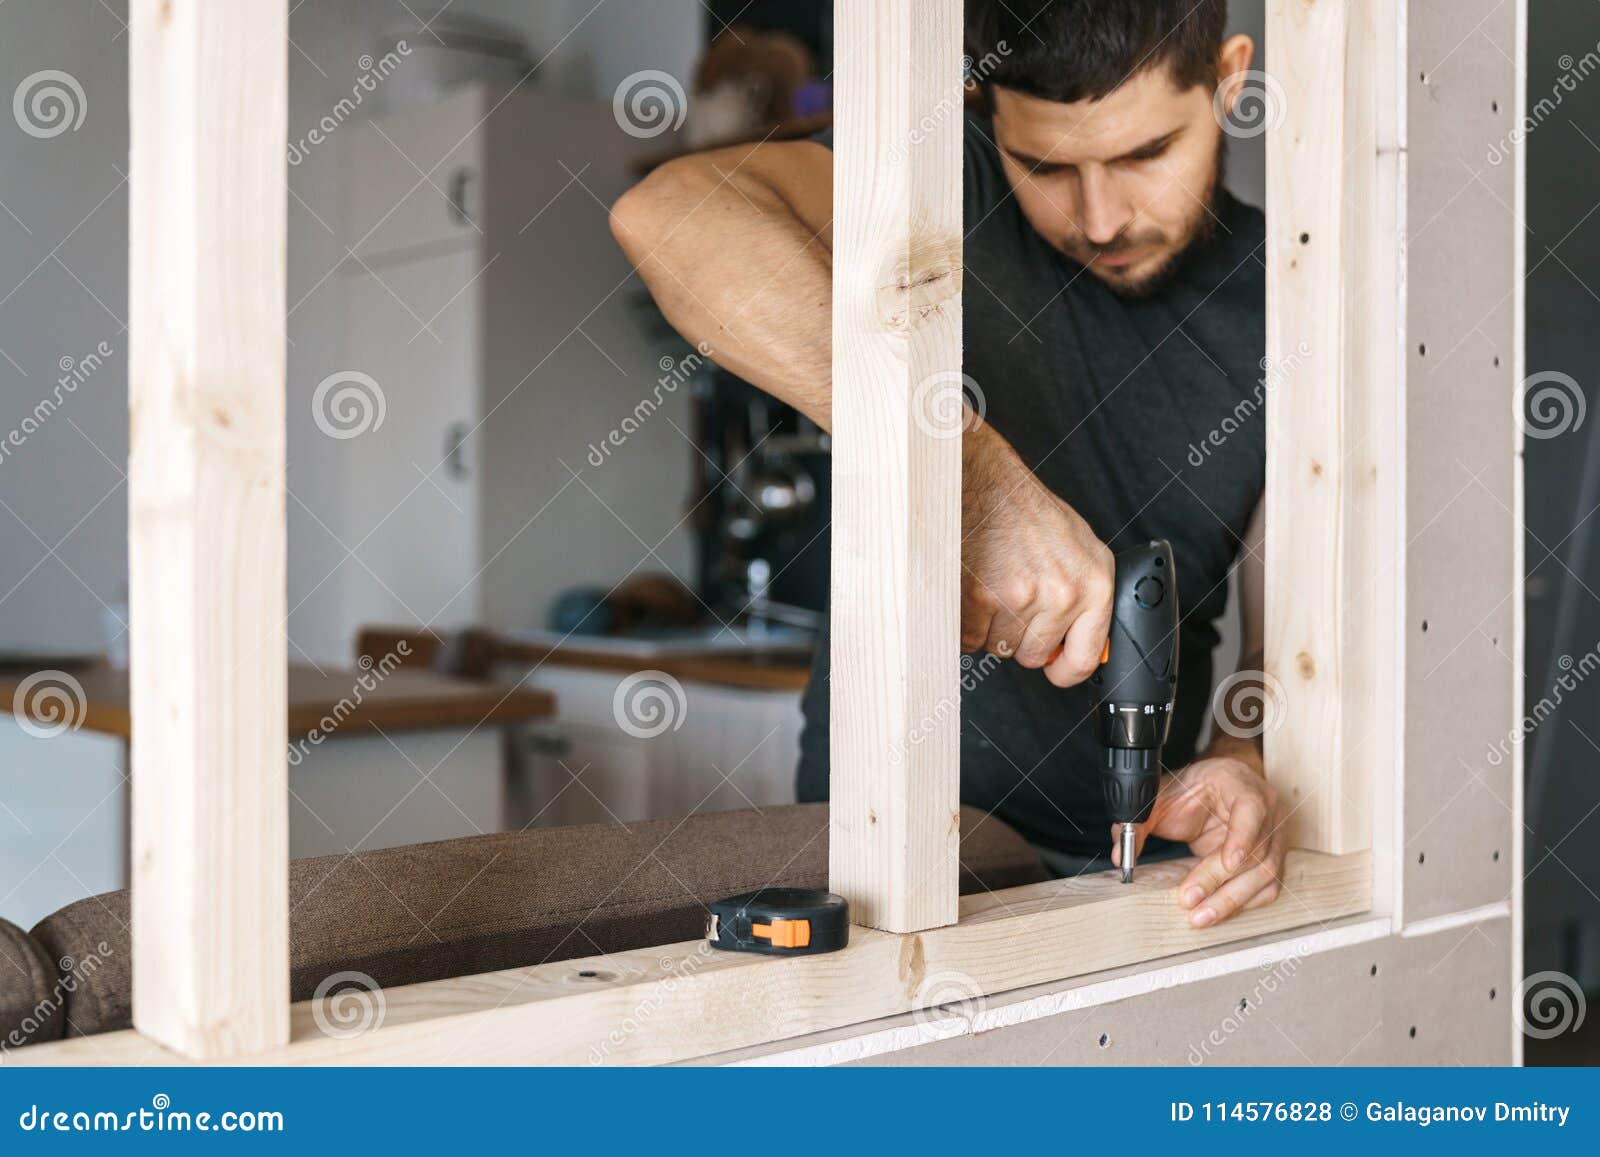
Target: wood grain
pixel 1332 264
pixel 680 1001
pixel 895 697
pixel 207 182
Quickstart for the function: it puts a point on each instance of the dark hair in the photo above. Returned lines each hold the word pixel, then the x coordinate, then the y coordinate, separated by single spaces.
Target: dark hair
pixel 1072 50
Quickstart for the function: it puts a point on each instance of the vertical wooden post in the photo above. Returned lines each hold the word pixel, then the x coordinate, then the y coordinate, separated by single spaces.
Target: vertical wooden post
pixel 1332 320
pixel 897 409
pixel 206 523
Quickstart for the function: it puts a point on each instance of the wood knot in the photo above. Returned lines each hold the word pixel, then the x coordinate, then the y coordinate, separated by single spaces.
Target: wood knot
pixel 917 281
pixel 913 965
pixel 1306 665
pixel 1316 469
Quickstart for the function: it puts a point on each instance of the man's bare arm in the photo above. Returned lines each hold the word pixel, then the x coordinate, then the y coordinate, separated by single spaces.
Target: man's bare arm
pixel 736 247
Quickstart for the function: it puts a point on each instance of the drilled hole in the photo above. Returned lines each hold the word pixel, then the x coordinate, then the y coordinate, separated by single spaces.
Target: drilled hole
pixel 1492 994
pixel 1244 1004
pixel 1305 239
pixel 1424 626
pixel 1494 106
pixel 1422 857
pixel 1413 1033
pixel 588 974
pixel 1496 856
pixel 1422 349
pixel 1105 1041
pixel 1497 360
pixel 1373 971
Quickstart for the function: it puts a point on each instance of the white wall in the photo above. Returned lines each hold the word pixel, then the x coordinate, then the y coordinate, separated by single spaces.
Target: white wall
pixel 63 213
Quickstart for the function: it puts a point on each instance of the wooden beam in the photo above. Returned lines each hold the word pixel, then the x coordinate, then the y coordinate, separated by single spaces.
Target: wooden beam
pixel 207 181
pixel 682 1001
pixel 897 414
pixel 1332 266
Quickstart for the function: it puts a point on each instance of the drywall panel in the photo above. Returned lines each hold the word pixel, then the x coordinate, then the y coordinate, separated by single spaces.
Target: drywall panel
pixel 1461 573
pixel 1429 1000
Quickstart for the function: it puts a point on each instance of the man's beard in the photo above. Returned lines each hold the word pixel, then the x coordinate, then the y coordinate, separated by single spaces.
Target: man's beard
pixel 1197 231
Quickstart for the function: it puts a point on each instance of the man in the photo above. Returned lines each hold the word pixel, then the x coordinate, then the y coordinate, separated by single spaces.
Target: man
pixel 1113 318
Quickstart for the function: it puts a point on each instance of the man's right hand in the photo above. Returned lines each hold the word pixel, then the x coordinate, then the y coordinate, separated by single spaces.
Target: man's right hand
pixel 1032 572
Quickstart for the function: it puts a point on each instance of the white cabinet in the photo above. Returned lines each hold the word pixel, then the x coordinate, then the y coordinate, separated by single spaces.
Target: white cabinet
pixel 496 326
pixel 735 748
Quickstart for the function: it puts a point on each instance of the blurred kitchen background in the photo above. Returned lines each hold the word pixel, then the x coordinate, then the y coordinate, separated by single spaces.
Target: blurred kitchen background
pixel 502 459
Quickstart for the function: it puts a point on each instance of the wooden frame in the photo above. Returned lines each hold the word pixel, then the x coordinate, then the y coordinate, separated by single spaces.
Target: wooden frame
pixel 1336 471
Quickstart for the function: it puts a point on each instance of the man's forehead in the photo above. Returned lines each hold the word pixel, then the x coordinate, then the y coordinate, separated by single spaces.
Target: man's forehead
pixel 1146 107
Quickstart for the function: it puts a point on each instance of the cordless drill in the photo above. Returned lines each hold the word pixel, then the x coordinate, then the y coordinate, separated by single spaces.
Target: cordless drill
pixel 1135 686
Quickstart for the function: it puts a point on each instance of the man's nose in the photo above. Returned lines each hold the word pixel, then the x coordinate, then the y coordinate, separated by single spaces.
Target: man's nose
pixel 1103 212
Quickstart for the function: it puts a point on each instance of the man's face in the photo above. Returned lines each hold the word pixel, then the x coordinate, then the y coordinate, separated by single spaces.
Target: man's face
pixel 1123 185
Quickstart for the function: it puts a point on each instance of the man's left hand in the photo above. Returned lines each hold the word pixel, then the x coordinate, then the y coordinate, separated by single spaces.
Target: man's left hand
pixel 1230 817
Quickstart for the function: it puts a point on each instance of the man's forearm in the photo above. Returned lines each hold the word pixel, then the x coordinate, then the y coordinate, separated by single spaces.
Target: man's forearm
pixel 733 263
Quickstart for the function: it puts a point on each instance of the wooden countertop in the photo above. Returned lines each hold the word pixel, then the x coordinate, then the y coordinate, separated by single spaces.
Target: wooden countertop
pixel 402 700
pixel 755 672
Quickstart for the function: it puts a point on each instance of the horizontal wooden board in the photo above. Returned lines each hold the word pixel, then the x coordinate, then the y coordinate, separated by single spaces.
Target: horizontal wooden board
pixel 680 1001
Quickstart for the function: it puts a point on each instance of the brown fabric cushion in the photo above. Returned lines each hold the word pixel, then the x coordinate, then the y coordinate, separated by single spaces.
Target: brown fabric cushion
pixel 30 1007
pixel 429 911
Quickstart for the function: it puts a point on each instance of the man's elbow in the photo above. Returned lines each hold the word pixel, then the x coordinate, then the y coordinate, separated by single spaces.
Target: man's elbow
pixel 647 214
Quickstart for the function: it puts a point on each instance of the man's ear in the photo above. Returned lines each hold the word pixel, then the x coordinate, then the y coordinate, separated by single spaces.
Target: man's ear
pixel 1233 61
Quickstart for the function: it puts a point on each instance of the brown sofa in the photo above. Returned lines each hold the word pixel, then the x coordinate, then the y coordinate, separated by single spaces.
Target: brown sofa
pixel 430 911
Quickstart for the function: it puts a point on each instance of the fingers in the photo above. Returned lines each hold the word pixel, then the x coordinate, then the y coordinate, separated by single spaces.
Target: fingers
pixel 1212 893
pixel 1085 642
pixel 1247 820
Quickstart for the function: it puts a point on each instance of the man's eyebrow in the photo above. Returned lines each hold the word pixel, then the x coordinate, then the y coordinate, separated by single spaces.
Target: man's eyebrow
pixel 1148 148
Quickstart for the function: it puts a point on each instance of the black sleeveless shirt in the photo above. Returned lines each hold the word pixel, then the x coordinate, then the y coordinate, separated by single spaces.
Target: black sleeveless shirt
pixel 1146 416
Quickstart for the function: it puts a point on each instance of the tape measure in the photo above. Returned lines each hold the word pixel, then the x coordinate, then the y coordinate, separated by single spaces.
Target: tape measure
pixel 780 922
